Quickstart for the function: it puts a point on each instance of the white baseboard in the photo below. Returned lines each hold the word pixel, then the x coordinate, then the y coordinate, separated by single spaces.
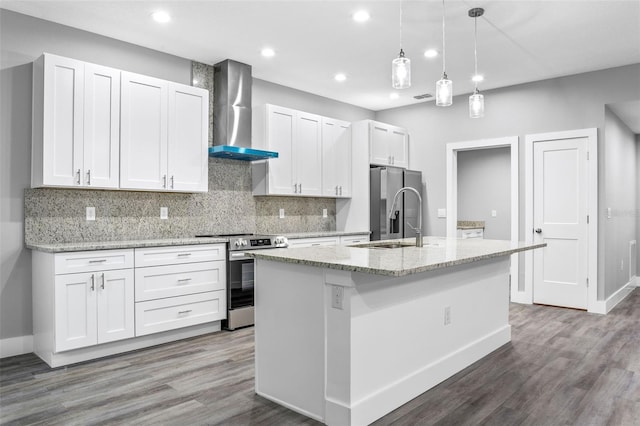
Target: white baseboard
pixel 605 306
pixel 521 297
pixel 637 281
pixel 16 346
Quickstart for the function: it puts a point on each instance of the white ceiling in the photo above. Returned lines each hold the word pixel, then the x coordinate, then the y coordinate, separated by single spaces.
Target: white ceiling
pixel 518 41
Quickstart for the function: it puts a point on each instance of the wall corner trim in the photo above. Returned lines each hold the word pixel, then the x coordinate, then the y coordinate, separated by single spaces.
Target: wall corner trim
pixel 16 346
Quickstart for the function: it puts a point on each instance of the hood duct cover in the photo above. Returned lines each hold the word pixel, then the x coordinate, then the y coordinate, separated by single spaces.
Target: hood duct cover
pixel 232 83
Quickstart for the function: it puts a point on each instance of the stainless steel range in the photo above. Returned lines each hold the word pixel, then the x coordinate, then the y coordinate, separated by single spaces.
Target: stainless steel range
pixel 240 275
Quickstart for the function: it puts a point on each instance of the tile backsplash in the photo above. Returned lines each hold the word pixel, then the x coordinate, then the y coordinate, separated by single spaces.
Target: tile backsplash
pixel 59 215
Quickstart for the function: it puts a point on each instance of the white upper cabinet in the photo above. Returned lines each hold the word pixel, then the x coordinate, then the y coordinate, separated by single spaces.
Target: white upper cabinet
pixel 388 145
pixel 336 158
pixel 164 135
pixel 188 159
pixel 75 124
pixel 296 137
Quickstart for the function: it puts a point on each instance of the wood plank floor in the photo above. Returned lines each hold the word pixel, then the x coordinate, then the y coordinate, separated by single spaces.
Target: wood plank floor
pixel 563 367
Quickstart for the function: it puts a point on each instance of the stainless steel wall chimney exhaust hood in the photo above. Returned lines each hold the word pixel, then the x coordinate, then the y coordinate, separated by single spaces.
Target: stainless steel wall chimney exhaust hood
pixel 232 83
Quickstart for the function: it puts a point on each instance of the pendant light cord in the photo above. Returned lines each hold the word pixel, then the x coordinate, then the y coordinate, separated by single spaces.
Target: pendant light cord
pixel 444 57
pixel 475 48
pixel 401 25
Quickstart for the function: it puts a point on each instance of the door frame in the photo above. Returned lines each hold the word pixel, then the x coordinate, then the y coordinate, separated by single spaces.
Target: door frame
pixel 592 211
pixel 452 193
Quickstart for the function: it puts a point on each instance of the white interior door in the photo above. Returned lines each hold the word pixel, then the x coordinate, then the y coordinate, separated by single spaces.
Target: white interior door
pixel 560 219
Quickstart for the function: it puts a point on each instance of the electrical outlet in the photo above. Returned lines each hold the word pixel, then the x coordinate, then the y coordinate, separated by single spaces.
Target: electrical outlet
pixel 608 212
pixel 281 213
pixel 447 315
pixel 494 213
pixel 442 213
pixel 91 213
pixel 324 213
pixel 337 296
pixel 622 265
pixel 164 212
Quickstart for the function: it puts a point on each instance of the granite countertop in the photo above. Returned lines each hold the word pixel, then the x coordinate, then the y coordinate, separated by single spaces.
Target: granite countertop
pixel 470 224
pixel 437 253
pixel 110 245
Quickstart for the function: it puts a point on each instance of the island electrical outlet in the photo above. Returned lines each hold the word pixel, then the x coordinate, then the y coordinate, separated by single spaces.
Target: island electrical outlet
pixel 337 296
pixel 447 315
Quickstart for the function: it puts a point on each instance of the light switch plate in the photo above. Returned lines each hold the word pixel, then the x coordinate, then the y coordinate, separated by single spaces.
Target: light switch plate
pixel 91 213
pixel 281 213
pixel 164 212
pixel 494 213
pixel 324 213
pixel 442 213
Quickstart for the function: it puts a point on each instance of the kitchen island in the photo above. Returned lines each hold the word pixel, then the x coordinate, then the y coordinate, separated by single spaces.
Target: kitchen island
pixel 346 334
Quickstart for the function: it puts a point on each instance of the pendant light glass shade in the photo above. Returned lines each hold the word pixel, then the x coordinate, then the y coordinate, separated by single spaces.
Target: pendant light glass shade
pixel 401 72
pixel 476 105
pixel 444 91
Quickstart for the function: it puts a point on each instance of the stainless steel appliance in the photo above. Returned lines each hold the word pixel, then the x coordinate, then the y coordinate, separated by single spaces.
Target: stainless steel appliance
pixel 384 183
pixel 240 276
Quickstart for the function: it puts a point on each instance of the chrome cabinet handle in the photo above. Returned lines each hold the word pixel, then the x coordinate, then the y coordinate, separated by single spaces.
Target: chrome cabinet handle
pixel 184 312
pixel 184 254
pixel 98 261
pixel 300 192
pixel 78 176
pixel 164 181
pixel 89 177
pixel 93 282
pixel 171 181
pixel 295 188
pixel 102 285
pixel 184 280
pixel 340 189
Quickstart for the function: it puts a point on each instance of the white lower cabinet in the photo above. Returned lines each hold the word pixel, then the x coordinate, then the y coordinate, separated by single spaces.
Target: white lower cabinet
pixel 354 239
pixel 180 287
pixel 90 304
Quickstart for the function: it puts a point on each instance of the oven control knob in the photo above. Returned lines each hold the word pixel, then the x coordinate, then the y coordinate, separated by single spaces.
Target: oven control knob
pixel 238 243
pixel 244 243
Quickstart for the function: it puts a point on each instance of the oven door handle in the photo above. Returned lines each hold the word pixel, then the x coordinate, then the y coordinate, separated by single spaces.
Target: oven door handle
pixel 237 256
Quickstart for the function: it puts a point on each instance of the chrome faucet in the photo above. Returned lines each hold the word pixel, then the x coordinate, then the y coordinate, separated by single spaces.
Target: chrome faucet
pixel 419 228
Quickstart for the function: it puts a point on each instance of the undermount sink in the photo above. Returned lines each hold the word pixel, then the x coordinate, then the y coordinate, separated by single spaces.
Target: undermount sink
pixel 384 245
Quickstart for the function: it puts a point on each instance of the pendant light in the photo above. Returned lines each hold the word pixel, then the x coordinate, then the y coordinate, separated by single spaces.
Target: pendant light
pixel 444 86
pixel 401 66
pixel 476 100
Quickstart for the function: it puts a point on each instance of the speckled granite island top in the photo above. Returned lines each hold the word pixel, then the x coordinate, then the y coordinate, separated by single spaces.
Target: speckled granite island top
pixel 437 253
pixel 110 245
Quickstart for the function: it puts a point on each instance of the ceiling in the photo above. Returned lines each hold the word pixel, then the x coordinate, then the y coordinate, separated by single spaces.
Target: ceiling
pixel 518 41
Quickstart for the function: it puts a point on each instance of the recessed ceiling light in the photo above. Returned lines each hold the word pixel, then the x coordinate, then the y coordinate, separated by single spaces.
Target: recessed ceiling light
pixel 431 53
pixel 161 16
pixel 340 77
pixel 267 52
pixel 361 16
pixel 394 96
pixel 477 78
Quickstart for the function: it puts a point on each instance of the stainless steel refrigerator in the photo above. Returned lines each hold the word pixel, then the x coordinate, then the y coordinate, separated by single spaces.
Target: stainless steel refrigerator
pixel 384 182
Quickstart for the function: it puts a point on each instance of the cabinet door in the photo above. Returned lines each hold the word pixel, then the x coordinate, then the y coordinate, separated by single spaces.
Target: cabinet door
pixel 308 154
pixel 101 127
pixel 336 158
pixel 188 138
pixel 398 147
pixel 379 136
pixel 280 130
pixel 75 311
pixel 115 305
pixel 62 121
pixel 143 139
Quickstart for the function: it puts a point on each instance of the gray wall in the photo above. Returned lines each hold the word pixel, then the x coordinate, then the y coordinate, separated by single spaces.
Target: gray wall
pixel 565 103
pixel 484 184
pixel 23 39
pixel 620 189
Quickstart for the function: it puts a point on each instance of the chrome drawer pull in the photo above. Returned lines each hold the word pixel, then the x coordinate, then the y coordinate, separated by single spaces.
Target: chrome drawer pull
pixel 98 261
pixel 184 312
pixel 183 280
pixel 102 286
pixel 184 254
pixel 93 282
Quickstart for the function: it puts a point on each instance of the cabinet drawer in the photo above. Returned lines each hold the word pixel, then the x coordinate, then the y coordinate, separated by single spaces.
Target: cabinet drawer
pixel 175 312
pixel 354 239
pixel 92 261
pixel 312 242
pixel 157 282
pixel 171 255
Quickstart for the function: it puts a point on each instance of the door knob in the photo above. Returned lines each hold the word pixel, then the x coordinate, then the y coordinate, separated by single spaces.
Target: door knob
pixel 538 231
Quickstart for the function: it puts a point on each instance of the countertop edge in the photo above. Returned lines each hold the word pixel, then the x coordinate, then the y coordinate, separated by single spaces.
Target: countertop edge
pixel 115 245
